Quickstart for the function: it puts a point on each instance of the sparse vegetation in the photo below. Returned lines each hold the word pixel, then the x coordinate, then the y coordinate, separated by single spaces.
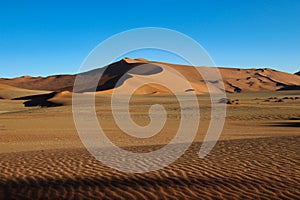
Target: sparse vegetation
pixel 291 98
pixel 279 100
pixel 229 101
pixel 276 99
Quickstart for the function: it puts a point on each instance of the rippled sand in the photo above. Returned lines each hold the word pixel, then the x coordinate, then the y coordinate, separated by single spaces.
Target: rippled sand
pixel 265 168
pixel 258 156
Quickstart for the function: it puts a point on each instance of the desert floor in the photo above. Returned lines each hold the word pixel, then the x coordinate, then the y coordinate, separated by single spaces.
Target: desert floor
pixel 256 157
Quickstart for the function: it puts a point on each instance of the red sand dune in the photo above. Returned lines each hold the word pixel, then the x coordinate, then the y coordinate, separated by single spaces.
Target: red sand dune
pixel 235 80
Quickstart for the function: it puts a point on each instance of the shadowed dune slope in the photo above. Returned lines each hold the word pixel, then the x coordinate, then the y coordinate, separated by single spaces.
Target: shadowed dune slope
pixel 125 74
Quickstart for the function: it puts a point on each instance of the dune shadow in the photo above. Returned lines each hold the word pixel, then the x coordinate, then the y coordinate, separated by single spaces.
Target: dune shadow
pixel 113 75
pixel 42 186
pixel 39 100
pixel 42 103
pixel 290 87
pixel 285 124
pixel 146 69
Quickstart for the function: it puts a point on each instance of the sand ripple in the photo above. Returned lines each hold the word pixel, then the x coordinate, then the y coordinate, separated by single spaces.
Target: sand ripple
pixel 266 168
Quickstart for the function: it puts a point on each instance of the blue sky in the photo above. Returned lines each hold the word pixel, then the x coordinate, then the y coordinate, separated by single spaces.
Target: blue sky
pixel 54 37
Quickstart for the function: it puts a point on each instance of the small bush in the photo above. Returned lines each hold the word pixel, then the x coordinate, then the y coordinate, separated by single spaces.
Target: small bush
pixel 225 100
pixel 279 100
pixel 229 102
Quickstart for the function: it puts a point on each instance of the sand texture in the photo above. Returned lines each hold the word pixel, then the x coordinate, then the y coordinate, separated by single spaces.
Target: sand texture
pixel 265 168
pixel 257 156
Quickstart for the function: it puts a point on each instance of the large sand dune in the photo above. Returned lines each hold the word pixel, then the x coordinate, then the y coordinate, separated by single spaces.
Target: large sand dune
pixel 235 80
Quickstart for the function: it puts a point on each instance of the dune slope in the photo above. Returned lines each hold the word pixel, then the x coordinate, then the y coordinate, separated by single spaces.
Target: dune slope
pixel 11 92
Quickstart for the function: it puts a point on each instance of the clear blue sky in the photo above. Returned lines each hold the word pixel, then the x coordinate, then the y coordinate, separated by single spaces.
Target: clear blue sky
pixel 53 37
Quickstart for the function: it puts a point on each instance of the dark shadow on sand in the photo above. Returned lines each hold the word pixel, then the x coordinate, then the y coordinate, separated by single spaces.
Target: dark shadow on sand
pixel 39 100
pixel 113 76
pixel 110 183
pixel 285 124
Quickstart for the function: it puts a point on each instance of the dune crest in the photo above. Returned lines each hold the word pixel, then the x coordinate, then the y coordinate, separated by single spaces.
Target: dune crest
pixel 137 60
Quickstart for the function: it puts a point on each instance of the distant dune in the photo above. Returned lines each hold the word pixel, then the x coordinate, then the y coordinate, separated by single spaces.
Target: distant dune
pixel 298 73
pixel 235 80
pixel 11 92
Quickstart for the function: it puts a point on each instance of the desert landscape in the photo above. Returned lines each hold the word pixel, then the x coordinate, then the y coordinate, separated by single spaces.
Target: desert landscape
pixel 256 157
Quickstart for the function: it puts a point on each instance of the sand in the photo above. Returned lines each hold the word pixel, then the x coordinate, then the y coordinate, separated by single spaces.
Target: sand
pixel 257 156
pixel 10 92
pixel 237 169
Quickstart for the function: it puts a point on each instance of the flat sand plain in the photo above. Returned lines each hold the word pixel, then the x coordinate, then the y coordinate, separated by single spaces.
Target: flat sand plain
pixel 256 157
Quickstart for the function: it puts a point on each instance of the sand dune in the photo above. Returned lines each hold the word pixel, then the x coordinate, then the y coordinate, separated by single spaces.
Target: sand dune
pixel 257 79
pixel 50 83
pixel 235 80
pixel 11 92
